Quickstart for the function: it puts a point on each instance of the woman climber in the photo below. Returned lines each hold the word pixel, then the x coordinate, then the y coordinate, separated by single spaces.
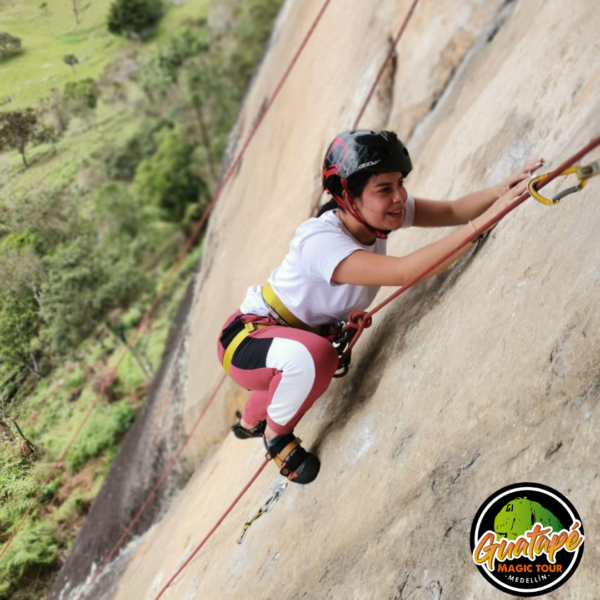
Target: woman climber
pixel 276 344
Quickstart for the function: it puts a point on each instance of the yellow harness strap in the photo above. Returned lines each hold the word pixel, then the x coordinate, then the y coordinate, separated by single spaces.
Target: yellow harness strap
pixel 236 341
pixel 271 298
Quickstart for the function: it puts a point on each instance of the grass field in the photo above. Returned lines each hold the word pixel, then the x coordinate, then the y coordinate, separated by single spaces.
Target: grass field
pixel 50 32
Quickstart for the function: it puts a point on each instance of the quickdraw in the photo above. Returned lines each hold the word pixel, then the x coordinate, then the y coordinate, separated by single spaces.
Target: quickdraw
pixel 277 491
pixel 583 172
pixel 340 341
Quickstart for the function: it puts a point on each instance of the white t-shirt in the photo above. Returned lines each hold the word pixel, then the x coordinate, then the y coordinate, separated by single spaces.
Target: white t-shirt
pixel 303 280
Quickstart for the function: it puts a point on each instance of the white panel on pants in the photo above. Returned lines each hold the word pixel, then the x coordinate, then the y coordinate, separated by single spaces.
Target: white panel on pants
pixel 296 363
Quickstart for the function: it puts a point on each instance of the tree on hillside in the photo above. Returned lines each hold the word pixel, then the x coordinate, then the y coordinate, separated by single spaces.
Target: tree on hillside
pixel 85 283
pixel 53 111
pixel 80 98
pixel 8 44
pixel 20 277
pixel 19 322
pixel 17 129
pixel 71 60
pixel 134 18
pixel 168 179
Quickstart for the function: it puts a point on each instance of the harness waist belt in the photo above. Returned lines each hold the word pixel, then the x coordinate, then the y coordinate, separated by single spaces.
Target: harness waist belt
pixel 278 310
pixel 281 310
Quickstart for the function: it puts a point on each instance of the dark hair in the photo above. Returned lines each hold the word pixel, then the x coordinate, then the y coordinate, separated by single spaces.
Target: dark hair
pixel 356 185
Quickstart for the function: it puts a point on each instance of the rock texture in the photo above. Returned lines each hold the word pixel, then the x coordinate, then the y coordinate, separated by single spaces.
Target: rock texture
pixel 483 376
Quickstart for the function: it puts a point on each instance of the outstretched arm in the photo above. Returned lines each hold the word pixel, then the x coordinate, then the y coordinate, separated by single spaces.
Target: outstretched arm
pixel 364 268
pixel 444 213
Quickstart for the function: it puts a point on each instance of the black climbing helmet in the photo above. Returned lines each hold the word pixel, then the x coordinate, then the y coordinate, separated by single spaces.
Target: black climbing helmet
pixel 363 151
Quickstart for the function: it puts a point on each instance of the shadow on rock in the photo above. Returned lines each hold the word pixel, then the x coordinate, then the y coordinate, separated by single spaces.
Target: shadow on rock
pixel 403 314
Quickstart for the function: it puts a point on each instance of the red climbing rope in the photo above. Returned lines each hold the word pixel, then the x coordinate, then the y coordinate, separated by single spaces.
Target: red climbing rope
pixel 197 548
pixel 147 502
pixel 358 320
pixel 361 112
pixel 188 245
pixel 153 493
pixel 385 62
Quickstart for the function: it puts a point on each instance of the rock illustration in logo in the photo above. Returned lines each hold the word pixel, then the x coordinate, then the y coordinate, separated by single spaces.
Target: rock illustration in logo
pixel 527 539
pixel 520 515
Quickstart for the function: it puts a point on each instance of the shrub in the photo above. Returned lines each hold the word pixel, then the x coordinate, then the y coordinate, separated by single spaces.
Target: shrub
pixel 85 282
pixel 8 44
pixel 168 179
pixel 81 97
pixel 71 60
pixel 121 161
pixel 75 504
pixel 75 379
pixel 19 324
pixel 33 551
pixel 110 423
pixel 134 18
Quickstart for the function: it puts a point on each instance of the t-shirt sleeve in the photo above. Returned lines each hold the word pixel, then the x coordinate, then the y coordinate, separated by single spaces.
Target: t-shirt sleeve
pixel 323 251
pixel 409 212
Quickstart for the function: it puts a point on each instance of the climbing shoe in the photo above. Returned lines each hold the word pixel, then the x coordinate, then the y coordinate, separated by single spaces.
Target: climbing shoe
pixel 293 461
pixel 243 434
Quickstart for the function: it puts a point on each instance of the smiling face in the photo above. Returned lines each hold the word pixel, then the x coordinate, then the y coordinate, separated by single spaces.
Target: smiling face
pixel 382 201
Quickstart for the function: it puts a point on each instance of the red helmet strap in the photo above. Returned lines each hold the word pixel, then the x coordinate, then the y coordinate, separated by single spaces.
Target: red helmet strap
pixel 349 206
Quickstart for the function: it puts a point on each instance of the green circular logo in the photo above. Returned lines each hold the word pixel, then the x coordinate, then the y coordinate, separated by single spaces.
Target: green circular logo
pixel 527 539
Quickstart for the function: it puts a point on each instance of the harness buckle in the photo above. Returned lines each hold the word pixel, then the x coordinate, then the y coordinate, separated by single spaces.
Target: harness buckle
pixel 274 315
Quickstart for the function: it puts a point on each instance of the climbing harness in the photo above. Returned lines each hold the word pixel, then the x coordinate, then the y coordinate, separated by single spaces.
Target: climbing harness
pixel 583 172
pixel 333 332
pixel 280 312
pixel 277 492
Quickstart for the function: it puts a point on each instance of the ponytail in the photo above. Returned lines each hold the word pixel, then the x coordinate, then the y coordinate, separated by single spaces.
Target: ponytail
pixel 331 205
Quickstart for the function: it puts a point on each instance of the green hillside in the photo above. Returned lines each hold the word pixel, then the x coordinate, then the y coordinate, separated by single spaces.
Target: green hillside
pixel 49 31
pixel 124 157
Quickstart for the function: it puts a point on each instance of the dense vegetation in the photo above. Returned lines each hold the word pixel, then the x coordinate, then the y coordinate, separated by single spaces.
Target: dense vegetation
pixel 101 181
